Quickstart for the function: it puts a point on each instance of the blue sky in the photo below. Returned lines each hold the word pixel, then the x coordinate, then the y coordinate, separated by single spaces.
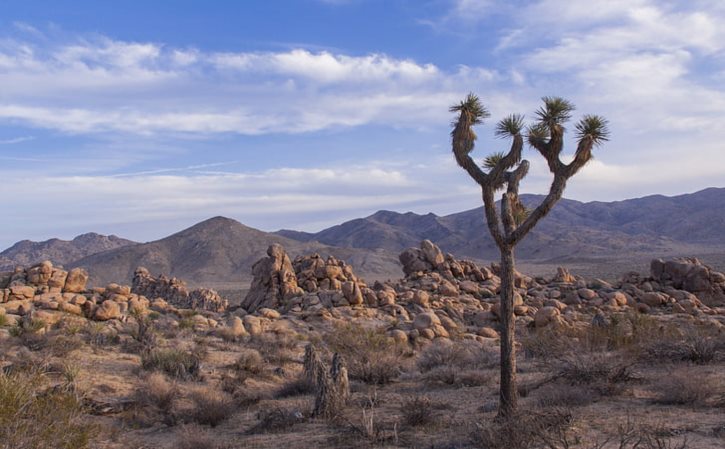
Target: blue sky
pixel 140 118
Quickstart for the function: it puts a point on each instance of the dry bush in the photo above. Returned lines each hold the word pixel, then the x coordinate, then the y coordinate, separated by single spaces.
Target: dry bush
pixel 211 407
pixel 275 348
pixel 546 343
pixel 31 418
pixel 686 387
pixel 99 335
pixel 558 395
pixel 418 411
pixel 527 430
pixel 277 420
pixel 455 377
pixel 158 392
pixel 144 333
pixel 372 356
pixel 185 365
pixel 457 354
pixel 692 348
pixel 593 369
pixel 634 435
pixel 249 362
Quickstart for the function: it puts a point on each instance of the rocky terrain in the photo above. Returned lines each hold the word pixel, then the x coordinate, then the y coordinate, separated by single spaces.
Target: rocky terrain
pixel 158 364
pixel 597 239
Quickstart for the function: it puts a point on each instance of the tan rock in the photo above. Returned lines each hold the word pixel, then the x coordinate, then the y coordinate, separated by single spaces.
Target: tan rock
pixel 546 315
pixel 426 320
pixel 269 313
pixel 107 310
pixel 487 332
pixel 76 281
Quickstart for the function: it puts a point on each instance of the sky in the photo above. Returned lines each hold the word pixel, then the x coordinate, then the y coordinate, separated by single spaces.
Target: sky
pixel 140 118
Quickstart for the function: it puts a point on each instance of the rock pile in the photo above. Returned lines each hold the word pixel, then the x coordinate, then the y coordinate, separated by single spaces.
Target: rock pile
pixel 39 279
pixel 691 275
pixel 274 281
pixel 310 282
pixel 175 292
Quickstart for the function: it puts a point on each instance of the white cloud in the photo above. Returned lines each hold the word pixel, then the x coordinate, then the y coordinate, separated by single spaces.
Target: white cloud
pixel 103 85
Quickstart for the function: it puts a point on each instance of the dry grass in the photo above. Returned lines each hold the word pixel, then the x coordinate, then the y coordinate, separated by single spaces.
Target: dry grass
pixel 686 387
pixel 418 411
pixel 35 418
pixel 372 356
pixel 456 354
pixel 160 393
pixel 185 365
pixel 211 407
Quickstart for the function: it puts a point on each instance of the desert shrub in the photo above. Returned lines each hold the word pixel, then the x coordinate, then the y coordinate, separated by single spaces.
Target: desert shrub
pixel 144 333
pixel 4 320
pixel 559 395
pixel 526 430
pixel 417 411
pixel 692 348
pixel 158 392
pixel 634 435
pixel 249 362
pixel 211 407
pixel 296 387
pixel 458 354
pixel 456 377
pixel 588 369
pixel 176 363
pixel 24 328
pixel 99 335
pixel 29 419
pixel 277 420
pixel 372 356
pixel 685 387
pixel 275 348
pixel 546 343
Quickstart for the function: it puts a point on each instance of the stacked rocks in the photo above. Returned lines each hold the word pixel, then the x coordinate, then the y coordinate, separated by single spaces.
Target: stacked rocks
pixel 175 292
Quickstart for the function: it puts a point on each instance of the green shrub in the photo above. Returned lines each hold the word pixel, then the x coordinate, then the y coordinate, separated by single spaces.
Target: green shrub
pixel 176 363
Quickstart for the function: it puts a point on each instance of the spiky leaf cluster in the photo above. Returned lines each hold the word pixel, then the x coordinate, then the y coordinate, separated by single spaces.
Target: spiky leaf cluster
pixel 472 108
pixel 492 160
pixel 555 111
pixel 510 126
pixel 593 127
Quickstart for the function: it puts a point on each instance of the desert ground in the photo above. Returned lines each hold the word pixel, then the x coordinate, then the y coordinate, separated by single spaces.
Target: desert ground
pixel 636 363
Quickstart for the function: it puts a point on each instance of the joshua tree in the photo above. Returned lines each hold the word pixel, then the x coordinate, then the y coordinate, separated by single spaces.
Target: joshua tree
pixel 505 171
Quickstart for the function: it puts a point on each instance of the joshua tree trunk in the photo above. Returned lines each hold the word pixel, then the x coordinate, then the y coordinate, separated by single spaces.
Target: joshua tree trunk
pixel 508 396
pixel 505 171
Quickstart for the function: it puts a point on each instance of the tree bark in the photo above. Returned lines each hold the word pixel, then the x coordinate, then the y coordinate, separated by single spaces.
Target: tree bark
pixel 508 395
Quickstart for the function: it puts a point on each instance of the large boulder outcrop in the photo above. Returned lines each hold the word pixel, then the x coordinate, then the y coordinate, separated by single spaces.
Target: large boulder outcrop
pixel 689 274
pixel 274 281
pixel 175 292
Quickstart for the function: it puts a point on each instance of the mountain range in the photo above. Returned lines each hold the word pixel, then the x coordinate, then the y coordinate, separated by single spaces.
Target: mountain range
pixel 220 251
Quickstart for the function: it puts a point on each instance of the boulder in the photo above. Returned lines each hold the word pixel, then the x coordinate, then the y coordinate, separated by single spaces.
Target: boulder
pixel 76 280
pixel 546 315
pixel 274 281
pixel 108 310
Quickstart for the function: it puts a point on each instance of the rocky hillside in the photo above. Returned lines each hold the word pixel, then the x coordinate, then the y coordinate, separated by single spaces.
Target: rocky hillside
pixel 58 251
pixel 649 225
pixel 216 252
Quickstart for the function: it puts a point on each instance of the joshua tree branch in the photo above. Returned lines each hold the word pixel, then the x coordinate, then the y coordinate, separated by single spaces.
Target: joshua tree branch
pixel 555 192
pixel 489 205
